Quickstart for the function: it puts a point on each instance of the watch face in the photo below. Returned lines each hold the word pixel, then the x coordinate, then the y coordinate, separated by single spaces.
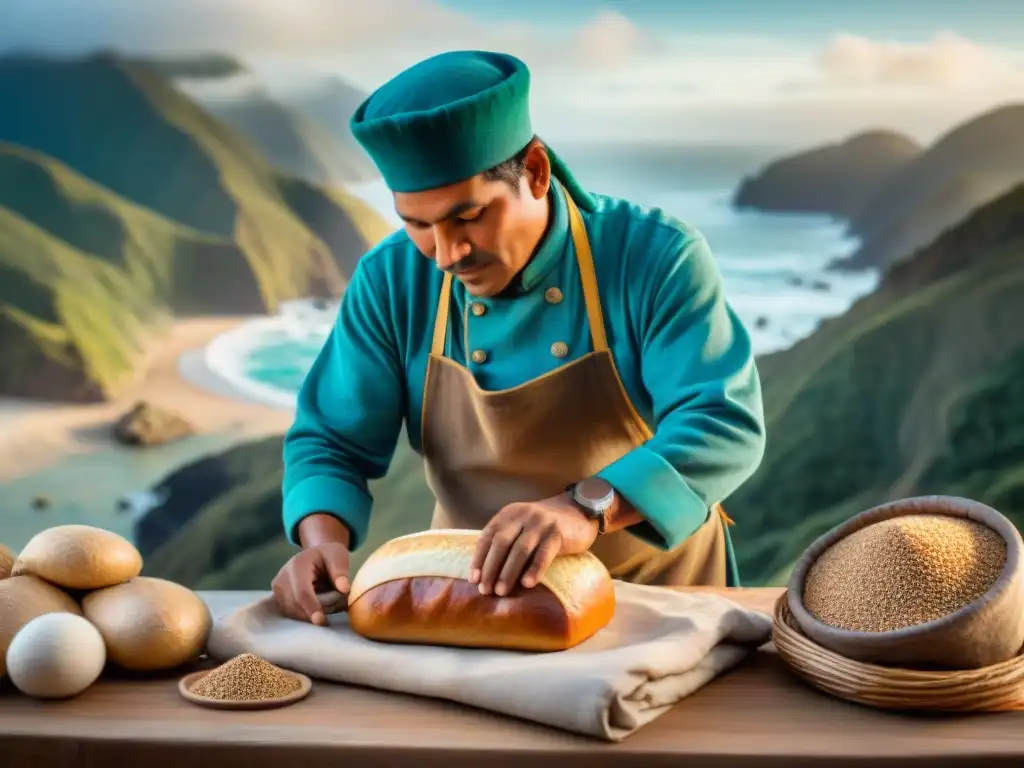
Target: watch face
pixel 594 490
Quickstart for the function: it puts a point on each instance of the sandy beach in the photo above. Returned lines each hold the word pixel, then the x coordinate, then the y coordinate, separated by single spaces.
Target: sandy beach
pixel 66 455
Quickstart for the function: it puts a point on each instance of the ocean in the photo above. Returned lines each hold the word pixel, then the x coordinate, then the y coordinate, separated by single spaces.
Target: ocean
pixel 773 265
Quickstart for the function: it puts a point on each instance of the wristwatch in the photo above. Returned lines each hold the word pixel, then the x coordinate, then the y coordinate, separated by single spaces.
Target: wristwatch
pixel 594 497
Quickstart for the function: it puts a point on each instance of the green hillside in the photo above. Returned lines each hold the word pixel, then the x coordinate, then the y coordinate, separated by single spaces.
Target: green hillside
pixel 913 391
pixel 113 180
pixel 68 321
pixel 290 140
pixel 330 103
pixel 330 213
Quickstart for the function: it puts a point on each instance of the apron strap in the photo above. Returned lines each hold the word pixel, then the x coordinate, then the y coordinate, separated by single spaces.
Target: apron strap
pixel 441 319
pixel 588 277
pixel 588 280
pixel 722 514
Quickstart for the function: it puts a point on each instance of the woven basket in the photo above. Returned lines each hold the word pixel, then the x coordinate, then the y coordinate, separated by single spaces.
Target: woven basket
pixel 997 688
pixel 983 633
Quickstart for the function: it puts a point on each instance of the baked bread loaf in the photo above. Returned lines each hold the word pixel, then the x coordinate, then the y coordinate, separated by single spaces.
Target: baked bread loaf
pixel 416 589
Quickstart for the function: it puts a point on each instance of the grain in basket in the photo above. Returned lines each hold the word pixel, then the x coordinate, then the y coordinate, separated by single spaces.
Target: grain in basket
pixel 902 572
pixel 916 603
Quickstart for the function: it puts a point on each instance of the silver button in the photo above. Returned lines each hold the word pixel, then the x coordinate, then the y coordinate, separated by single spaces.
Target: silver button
pixel 553 296
pixel 479 356
pixel 559 349
pixel 478 309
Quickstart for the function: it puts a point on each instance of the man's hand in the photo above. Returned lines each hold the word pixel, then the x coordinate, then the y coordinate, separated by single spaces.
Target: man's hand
pixel 321 565
pixel 528 535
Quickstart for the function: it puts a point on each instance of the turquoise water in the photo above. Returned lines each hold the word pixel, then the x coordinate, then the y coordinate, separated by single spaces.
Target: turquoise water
pixel 772 265
pixel 282 363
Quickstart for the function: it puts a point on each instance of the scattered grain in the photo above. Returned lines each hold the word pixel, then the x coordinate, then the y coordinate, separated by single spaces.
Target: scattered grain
pixel 903 571
pixel 246 678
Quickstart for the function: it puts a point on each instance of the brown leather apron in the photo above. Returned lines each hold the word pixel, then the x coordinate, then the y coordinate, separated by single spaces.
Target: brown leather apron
pixel 485 449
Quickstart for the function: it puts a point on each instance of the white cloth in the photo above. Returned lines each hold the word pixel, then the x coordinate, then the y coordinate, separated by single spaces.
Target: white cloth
pixel 660 647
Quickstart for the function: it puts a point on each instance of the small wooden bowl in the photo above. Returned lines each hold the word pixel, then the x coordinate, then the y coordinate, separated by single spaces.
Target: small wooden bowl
pixel 987 631
pixel 186 683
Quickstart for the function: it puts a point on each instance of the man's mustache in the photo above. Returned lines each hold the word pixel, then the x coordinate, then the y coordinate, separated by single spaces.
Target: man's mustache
pixel 472 261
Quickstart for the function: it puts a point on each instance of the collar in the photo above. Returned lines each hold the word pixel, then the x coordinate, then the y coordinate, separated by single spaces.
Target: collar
pixel 552 247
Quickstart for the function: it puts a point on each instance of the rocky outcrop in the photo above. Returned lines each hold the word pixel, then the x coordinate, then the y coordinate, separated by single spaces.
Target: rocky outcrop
pixel 145 424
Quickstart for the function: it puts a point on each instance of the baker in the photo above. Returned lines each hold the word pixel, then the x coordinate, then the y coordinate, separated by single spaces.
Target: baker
pixel 566 363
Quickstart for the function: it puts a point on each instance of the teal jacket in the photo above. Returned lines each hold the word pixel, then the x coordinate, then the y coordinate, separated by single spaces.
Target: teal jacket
pixel 683 354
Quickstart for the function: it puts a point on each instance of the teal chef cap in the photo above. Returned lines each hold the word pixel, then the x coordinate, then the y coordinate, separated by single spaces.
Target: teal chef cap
pixel 451 117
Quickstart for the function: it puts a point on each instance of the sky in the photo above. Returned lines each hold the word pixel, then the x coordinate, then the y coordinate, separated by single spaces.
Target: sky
pixel 666 71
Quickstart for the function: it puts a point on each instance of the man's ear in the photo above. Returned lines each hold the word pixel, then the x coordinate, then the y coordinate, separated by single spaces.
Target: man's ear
pixel 537 170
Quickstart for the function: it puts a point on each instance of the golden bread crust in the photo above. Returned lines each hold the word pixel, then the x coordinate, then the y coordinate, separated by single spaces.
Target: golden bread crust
pixel 416 589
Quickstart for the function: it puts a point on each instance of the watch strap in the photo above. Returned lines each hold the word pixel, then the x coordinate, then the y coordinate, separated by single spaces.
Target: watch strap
pixel 592 514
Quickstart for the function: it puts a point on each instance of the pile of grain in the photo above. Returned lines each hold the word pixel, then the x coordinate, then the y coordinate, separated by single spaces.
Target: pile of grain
pixel 246 678
pixel 903 571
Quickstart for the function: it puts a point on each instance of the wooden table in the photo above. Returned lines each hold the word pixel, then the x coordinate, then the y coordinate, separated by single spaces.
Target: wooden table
pixel 757 715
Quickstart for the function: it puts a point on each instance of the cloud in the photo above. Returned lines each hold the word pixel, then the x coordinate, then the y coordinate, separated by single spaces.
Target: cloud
pixel 243 27
pixel 300 27
pixel 367 41
pixel 947 61
pixel 372 39
pixel 610 40
pixel 605 75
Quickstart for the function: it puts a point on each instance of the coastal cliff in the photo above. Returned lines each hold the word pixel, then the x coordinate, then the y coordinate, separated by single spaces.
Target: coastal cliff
pixel 296 136
pixel 895 196
pixel 838 179
pixel 95 257
pixel 970 165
